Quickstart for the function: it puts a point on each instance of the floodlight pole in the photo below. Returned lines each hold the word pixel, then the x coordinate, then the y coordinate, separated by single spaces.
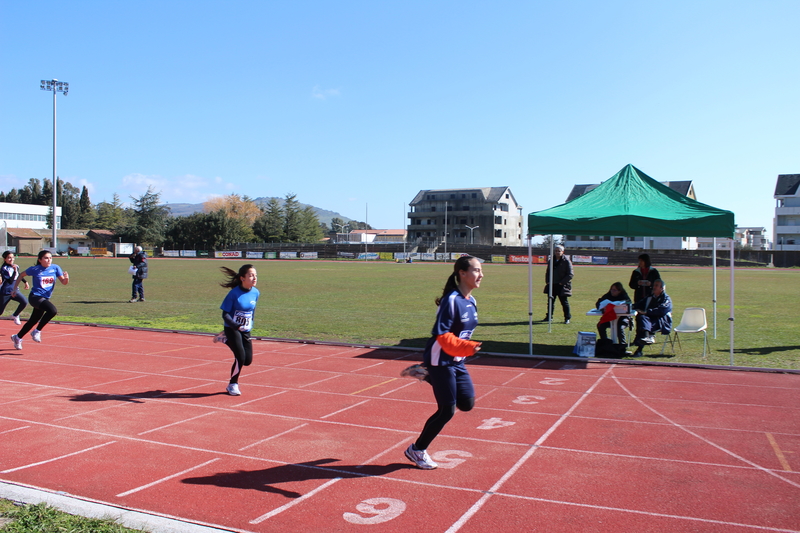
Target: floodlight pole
pixel 57 87
pixel 470 228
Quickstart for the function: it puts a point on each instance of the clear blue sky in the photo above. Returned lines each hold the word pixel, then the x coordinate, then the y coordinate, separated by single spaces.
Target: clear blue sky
pixel 357 103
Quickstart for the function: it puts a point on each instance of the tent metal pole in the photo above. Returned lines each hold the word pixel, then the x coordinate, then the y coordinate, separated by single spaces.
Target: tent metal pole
pixel 731 319
pixel 530 297
pixel 550 304
pixel 714 283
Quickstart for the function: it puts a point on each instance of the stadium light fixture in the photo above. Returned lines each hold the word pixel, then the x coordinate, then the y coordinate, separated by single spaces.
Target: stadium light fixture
pixel 56 87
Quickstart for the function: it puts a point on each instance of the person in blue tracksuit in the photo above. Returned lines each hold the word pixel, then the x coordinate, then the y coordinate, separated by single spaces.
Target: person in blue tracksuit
pixel 443 360
pixel 44 274
pixel 238 310
pixel 9 271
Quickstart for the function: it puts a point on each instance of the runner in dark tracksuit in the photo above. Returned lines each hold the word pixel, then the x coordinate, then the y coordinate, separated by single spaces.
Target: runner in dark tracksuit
pixel 238 310
pixel 443 365
pixel 10 272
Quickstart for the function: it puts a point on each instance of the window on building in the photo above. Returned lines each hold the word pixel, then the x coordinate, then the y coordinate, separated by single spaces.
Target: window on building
pixel 462 221
pixel 463 234
pixel 465 208
pixel 474 195
pixel 505 235
pixel 498 233
pixel 505 222
pixel 453 196
pixel 449 207
pixel 463 196
pixel 433 208
pixel 507 195
pixel 498 220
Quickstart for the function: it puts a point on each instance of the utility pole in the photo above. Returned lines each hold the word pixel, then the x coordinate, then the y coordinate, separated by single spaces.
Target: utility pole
pixel 57 87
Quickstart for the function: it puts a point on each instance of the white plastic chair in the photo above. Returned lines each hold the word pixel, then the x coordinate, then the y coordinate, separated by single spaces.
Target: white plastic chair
pixel 693 321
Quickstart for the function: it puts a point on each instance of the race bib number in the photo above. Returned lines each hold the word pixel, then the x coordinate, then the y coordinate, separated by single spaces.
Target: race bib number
pixel 244 319
pixel 47 281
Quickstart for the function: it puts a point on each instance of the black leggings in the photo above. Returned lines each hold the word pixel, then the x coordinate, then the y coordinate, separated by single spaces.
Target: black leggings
pixel 43 312
pixel 242 347
pixel 19 298
pixel 453 389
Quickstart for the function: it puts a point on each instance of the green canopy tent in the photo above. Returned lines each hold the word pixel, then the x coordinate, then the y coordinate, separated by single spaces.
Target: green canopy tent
pixel 631 203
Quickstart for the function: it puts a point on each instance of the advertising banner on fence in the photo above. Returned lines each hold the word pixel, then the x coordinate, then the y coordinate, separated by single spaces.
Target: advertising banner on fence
pixel 255 255
pixel 82 250
pixel 227 254
pixel 596 260
pixel 188 253
pixel 581 258
pixel 442 257
pixel 288 255
pixel 456 255
pixel 270 255
pixel 498 259
pixel 171 253
pixel 308 255
pixel 427 257
pixel 537 259
pixel 386 256
pixel 346 255
pixel 370 256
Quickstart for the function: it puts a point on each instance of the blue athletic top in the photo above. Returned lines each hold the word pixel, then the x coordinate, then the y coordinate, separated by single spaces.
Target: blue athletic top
pixel 10 275
pixel 241 305
pixel 457 315
pixel 44 279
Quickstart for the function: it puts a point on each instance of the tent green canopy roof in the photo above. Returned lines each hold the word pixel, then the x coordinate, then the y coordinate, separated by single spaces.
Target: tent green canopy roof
pixel 631 203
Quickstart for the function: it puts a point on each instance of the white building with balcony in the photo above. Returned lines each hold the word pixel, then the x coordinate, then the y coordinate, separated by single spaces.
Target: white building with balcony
pixel 786 224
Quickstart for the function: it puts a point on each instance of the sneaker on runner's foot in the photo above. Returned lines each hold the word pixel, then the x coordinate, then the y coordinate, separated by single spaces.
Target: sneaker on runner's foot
pixel 17 321
pixel 233 389
pixel 17 342
pixel 415 371
pixel 36 335
pixel 420 458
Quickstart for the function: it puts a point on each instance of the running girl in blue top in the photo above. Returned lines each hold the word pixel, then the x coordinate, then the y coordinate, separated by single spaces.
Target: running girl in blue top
pixel 44 274
pixel 10 272
pixel 238 309
pixel 443 361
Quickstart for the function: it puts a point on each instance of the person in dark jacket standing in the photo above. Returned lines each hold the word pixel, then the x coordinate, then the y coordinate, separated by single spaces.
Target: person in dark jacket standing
pixel 139 260
pixel 642 279
pixel 562 283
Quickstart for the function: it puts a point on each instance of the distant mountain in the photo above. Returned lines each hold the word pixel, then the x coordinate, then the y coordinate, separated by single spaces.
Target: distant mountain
pixel 324 215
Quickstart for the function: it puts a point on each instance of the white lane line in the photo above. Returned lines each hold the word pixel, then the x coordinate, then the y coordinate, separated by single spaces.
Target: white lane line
pixel 345 409
pixel 156 482
pixel 391 448
pixel 260 398
pixel 294 502
pixel 414 382
pixel 56 458
pixel 272 437
pixel 485 395
pixel 479 504
pixel 512 379
pixel 700 437
pixel 320 381
pixel 176 423
pixel 15 429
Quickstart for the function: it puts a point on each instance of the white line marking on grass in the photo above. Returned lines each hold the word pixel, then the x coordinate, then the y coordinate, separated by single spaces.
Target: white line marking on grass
pixel 697 436
pixel 272 437
pixel 294 502
pixel 479 504
pixel 137 489
pixel 176 423
pixel 15 429
pixel 320 381
pixel 345 409
pixel 56 458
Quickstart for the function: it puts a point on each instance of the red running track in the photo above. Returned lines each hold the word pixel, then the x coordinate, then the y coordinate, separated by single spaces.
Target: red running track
pixel 139 420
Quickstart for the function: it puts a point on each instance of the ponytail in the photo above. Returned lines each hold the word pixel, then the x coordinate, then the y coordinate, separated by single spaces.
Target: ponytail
pixel 461 264
pixel 234 279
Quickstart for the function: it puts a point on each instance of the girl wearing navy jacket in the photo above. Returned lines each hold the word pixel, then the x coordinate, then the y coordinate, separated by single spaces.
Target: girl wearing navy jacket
pixel 44 274
pixel 238 310
pixel 10 272
pixel 443 361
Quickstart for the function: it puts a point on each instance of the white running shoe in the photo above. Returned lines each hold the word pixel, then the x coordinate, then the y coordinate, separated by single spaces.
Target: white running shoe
pixel 36 335
pixel 17 342
pixel 420 458
pixel 17 321
pixel 221 338
pixel 233 389
pixel 415 371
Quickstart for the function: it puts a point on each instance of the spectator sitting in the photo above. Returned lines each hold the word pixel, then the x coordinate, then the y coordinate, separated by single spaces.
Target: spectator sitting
pixel 653 315
pixel 615 295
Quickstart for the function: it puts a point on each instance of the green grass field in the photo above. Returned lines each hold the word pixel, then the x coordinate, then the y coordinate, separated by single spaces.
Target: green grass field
pixel 392 304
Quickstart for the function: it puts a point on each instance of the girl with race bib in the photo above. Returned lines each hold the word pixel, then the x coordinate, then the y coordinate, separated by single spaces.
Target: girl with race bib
pixel 238 309
pixel 9 271
pixel 443 360
pixel 44 274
